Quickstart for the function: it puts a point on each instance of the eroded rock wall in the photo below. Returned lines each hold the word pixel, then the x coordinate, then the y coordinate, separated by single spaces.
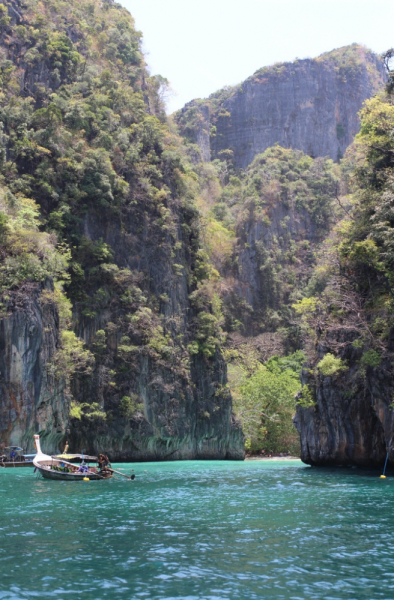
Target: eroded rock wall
pixel 352 421
pixel 31 399
pixel 311 105
pixel 282 237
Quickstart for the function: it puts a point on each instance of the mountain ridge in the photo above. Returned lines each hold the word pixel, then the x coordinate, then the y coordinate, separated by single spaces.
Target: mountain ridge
pixel 309 105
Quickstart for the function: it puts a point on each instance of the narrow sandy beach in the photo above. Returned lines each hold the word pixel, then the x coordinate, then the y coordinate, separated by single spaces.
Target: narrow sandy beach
pixel 272 458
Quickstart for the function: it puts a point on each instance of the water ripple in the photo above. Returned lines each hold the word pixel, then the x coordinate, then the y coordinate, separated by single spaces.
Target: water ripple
pixel 199 531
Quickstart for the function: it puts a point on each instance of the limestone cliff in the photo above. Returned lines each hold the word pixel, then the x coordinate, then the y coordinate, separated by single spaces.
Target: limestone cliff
pixel 187 408
pixel 273 141
pixel 100 245
pixel 346 407
pixel 311 105
pixel 351 421
pixel 31 399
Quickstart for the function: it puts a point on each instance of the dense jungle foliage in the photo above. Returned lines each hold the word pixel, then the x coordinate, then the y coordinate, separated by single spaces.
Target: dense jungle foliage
pixel 94 187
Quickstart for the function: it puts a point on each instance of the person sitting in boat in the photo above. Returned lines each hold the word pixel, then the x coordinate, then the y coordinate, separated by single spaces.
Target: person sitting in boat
pixel 12 454
pixel 103 462
pixel 83 468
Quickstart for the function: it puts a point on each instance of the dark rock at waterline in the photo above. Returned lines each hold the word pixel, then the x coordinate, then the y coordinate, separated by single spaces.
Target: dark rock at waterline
pixel 352 422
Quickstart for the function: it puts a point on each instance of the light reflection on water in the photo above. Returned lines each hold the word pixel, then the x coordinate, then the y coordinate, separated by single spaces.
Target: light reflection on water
pixel 199 531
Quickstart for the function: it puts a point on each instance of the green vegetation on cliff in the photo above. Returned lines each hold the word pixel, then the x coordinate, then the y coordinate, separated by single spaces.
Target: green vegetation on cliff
pixel 262 229
pixel 286 210
pixel 98 196
pixel 279 227
pixel 87 138
pixel 350 319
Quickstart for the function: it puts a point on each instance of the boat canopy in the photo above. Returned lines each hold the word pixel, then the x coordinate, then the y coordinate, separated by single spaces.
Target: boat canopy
pixel 16 448
pixel 74 456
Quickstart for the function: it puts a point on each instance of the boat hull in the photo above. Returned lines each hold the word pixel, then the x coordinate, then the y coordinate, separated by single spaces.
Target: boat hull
pixel 48 473
pixel 24 463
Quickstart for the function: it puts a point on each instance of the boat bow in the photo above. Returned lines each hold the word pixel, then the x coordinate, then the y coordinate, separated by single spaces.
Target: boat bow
pixel 40 458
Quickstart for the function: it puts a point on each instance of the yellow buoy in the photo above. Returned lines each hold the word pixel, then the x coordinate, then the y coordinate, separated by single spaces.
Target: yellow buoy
pixel 383 477
pixel 86 479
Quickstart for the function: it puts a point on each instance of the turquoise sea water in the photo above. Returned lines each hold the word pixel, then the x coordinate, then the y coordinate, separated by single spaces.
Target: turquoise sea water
pixel 199 530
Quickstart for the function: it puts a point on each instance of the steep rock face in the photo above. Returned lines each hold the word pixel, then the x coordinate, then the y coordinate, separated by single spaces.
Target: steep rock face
pixel 352 421
pixel 310 104
pixel 184 419
pixel 31 399
pixel 187 409
pixel 282 237
pixel 283 211
pixel 348 325
pixel 111 184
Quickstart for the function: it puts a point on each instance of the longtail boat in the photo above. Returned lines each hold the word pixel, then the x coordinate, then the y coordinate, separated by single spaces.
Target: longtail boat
pixel 59 469
pixel 16 458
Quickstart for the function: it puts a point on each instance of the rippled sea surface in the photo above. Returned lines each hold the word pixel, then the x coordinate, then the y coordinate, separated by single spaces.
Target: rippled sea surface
pixel 199 530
